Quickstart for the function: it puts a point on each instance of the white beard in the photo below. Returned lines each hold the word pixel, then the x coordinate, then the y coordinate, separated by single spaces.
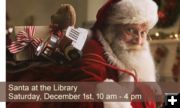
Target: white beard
pixel 140 60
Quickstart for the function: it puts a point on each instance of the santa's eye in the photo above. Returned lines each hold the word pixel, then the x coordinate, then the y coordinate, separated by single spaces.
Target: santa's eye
pixel 131 30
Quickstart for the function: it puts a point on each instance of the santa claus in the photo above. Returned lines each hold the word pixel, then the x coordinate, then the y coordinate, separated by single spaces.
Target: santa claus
pixel 117 51
pixel 122 27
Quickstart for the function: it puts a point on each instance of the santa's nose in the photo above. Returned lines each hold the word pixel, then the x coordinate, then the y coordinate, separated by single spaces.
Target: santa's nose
pixel 138 40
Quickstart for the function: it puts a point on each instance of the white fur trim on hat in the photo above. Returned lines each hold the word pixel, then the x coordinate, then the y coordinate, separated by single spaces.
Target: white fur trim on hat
pixel 134 12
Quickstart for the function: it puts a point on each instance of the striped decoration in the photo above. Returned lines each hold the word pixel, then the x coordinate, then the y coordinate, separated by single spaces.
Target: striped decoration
pixel 23 39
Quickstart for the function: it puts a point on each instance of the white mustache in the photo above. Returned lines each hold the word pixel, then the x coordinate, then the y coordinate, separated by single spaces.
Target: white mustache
pixel 134 47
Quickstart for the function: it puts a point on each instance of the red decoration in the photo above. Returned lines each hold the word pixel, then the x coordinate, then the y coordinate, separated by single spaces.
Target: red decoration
pixel 176 66
pixel 168 12
pixel 160 53
pixel 176 70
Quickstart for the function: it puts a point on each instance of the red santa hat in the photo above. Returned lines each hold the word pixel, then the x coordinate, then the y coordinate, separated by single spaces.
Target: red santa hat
pixel 127 12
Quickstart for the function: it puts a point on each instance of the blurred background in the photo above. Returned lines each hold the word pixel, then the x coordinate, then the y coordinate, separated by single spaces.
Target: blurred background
pixel 165 37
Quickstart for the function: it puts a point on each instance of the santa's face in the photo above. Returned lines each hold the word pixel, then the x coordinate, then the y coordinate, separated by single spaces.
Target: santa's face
pixel 134 35
pixel 129 44
pixel 129 37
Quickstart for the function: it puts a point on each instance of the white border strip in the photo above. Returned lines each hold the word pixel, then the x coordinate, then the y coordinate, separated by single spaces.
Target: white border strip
pixel 2 45
pixel 2 41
